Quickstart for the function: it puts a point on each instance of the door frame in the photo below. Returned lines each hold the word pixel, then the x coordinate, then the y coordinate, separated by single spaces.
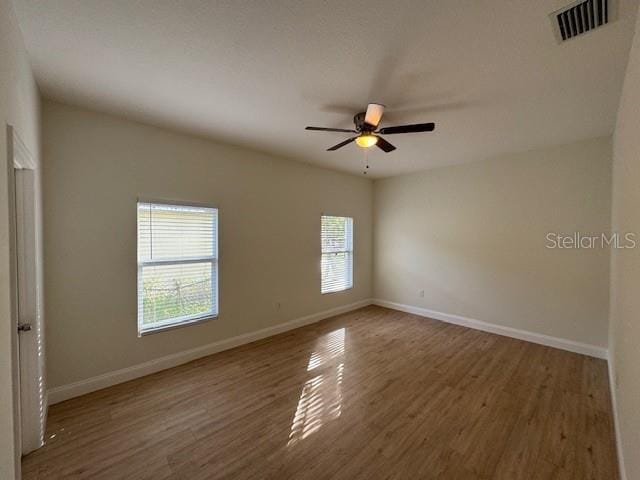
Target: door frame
pixel 29 395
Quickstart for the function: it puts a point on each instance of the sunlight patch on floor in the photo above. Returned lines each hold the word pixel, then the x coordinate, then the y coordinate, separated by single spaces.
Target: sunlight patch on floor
pixel 321 396
pixel 331 346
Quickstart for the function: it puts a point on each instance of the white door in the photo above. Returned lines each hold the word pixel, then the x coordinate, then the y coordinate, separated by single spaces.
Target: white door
pixel 28 299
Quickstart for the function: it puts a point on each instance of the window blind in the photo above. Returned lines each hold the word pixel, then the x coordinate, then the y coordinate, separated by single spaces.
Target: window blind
pixel 337 253
pixel 177 264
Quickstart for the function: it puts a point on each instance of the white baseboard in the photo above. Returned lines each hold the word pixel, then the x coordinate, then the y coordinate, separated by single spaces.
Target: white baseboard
pixel 561 343
pixel 616 422
pixel 65 392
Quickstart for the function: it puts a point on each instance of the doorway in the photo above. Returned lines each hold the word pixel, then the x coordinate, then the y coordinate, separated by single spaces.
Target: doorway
pixel 27 296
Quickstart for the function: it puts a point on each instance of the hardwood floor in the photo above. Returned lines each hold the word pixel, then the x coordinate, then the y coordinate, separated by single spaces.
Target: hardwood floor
pixel 372 394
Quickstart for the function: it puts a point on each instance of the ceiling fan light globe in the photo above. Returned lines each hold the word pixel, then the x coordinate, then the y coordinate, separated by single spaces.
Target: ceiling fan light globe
pixel 366 141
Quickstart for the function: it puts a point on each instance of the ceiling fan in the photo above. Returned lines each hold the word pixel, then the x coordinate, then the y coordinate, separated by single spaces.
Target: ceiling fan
pixel 366 124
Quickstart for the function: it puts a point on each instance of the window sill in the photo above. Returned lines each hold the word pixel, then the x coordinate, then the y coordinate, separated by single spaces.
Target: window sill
pixel 186 323
pixel 337 291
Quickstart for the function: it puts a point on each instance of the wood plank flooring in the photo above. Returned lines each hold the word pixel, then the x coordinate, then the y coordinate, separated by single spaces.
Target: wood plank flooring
pixel 372 394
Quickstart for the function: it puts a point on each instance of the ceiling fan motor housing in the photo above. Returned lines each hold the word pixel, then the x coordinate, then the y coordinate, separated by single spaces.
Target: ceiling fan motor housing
pixel 360 124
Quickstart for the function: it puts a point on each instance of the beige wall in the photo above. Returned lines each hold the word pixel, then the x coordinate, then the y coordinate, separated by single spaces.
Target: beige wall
pixel 95 166
pixel 473 238
pixel 624 346
pixel 19 106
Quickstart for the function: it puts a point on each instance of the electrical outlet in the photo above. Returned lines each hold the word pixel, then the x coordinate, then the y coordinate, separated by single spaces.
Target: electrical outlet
pixel 421 293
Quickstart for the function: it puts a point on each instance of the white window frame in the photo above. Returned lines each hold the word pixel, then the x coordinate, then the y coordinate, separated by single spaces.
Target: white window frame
pixel 185 320
pixel 351 252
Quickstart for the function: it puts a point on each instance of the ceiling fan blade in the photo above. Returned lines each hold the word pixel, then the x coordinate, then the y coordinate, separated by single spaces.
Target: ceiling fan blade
pixel 384 145
pixel 416 128
pixel 341 144
pixel 324 129
pixel 374 114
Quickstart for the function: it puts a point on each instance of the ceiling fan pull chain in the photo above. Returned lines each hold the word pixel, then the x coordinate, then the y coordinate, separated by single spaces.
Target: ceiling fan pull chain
pixel 366 161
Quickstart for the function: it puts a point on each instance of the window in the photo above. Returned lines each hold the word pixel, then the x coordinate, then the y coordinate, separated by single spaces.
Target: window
pixel 337 253
pixel 177 265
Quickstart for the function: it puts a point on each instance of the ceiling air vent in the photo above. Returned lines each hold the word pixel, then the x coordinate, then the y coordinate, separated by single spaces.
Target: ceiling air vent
pixel 581 17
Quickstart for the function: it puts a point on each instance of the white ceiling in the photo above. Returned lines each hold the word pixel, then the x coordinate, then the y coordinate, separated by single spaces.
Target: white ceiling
pixel 255 73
